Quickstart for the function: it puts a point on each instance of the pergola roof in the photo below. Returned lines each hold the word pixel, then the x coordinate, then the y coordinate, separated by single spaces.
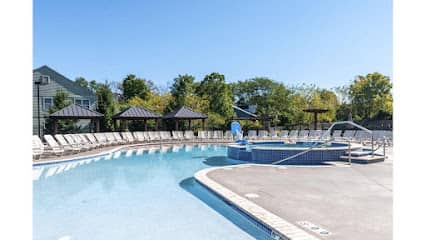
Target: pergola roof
pixel 136 112
pixel 241 114
pixel 76 111
pixel 185 113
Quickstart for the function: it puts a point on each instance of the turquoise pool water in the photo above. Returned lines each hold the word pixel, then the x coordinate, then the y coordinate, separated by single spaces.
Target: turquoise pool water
pixel 136 195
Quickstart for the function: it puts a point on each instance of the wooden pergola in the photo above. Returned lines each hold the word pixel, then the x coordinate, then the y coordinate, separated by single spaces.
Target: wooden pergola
pixel 185 113
pixel 76 112
pixel 136 113
pixel 315 111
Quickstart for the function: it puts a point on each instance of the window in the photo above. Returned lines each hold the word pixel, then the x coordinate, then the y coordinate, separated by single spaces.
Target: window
pixel 47 103
pixel 83 102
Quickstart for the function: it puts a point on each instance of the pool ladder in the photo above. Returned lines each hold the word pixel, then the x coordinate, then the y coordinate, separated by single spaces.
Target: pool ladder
pixel 326 133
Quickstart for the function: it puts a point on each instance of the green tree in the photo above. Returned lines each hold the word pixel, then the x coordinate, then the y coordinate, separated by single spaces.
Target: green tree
pixel 82 82
pixel 133 86
pixel 271 98
pixel 218 93
pixel 93 86
pixel 183 87
pixel 106 105
pixel 371 96
pixel 61 100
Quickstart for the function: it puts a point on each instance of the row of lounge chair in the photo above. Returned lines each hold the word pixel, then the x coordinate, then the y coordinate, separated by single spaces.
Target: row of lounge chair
pixel 73 143
pixel 352 135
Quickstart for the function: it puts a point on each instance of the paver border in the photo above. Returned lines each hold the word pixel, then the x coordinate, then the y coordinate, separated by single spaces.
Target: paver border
pixel 279 226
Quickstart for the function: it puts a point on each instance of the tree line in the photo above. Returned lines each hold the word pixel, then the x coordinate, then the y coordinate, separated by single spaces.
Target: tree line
pixel 365 98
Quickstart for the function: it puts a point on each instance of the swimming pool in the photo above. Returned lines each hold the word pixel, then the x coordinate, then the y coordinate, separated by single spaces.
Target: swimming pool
pixel 143 194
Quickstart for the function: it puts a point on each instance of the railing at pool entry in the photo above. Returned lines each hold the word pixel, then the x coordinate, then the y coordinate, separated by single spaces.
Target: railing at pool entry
pixel 317 144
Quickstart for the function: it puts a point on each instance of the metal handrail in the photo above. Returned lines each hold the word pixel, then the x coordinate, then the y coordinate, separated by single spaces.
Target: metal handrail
pixel 327 141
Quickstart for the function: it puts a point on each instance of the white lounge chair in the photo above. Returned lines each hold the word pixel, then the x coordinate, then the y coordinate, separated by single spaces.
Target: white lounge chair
pixel 118 138
pixel 189 135
pixel 38 147
pixel 337 135
pixel 165 136
pixel 110 138
pixel 314 134
pixel 66 145
pixel 73 143
pixel 228 135
pixel 93 140
pixel 218 134
pixel 252 134
pixel 202 135
pixel 139 136
pixel 362 137
pixel 101 138
pixel 303 134
pixel 210 135
pixel 274 134
pixel 77 141
pixel 349 134
pixel 128 137
pixel 86 141
pixel 284 134
pixel 146 136
pixel 293 135
pixel 153 136
pixel 54 147
pixel 263 134
pixel 177 135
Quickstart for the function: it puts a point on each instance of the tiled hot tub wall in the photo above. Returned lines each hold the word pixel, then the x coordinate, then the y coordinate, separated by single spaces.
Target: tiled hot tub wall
pixel 316 156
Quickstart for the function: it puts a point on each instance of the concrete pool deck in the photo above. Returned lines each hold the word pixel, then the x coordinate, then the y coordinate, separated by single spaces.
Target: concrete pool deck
pixel 349 202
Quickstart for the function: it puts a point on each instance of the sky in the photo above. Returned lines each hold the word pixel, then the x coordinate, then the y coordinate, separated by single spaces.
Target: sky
pixel 321 42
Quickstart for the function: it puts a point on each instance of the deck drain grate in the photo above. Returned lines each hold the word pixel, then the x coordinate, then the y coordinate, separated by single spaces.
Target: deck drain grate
pixel 314 228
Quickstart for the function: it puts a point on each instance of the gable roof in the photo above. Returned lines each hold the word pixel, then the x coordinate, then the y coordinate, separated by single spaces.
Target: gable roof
pixel 136 112
pixel 185 113
pixel 75 111
pixel 242 114
pixel 64 81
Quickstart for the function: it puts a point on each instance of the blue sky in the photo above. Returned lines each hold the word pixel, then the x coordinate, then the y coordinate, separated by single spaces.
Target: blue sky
pixel 324 42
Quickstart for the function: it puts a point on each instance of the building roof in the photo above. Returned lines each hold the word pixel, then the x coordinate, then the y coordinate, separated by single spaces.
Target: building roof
pixel 241 114
pixel 64 81
pixel 136 112
pixel 185 113
pixel 76 112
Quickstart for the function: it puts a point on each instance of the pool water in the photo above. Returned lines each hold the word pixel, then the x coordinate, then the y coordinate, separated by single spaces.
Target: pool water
pixel 136 195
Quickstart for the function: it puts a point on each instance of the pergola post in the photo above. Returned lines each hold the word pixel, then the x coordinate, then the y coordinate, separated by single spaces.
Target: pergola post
pixel 146 125
pixel 157 124
pixel 189 124
pixel 97 123
pixel 55 126
pixel 315 120
pixel 204 124
pixel 125 125
pixel 177 124
pixel 315 111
